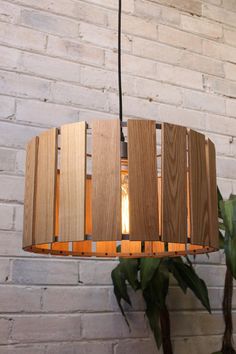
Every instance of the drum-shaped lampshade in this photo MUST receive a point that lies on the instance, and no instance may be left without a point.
(158, 200)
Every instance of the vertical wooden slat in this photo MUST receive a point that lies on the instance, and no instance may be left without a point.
(46, 187)
(106, 189)
(72, 185)
(142, 166)
(198, 189)
(174, 183)
(30, 185)
(212, 194)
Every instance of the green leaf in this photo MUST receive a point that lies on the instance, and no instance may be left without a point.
(120, 289)
(148, 267)
(196, 284)
(217, 353)
(130, 267)
(221, 240)
(153, 315)
(160, 284)
(177, 275)
(220, 198)
(230, 252)
(228, 211)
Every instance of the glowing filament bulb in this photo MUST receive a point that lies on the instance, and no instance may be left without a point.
(124, 203)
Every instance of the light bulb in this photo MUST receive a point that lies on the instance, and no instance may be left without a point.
(124, 203)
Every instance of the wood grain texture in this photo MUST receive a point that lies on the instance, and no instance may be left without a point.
(142, 166)
(174, 183)
(198, 188)
(46, 187)
(72, 184)
(106, 188)
(212, 194)
(130, 246)
(104, 247)
(88, 221)
(30, 186)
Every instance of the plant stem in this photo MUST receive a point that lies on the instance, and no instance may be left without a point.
(165, 329)
(227, 346)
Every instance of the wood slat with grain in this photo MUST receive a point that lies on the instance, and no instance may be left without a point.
(199, 217)
(212, 194)
(30, 189)
(106, 188)
(174, 183)
(45, 204)
(72, 183)
(142, 169)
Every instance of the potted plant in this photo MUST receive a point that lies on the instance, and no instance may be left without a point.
(152, 277)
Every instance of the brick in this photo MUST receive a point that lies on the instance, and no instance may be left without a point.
(213, 276)
(6, 220)
(7, 160)
(4, 270)
(80, 348)
(185, 117)
(7, 107)
(104, 37)
(179, 76)
(230, 71)
(78, 95)
(49, 23)
(135, 107)
(18, 221)
(113, 326)
(21, 37)
(231, 107)
(196, 345)
(12, 188)
(222, 144)
(15, 299)
(132, 65)
(23, 349)
(226, 167)
(203, 324)
(202, 27)
(181, 39)
(96, 272)
(19, 134)
(22, 85)
(220, 86)
(76, 299)
(134, 25)
(156, 51)
(136, 346)
(229, 36)
(225, 186)
(68, 49)
(11, 244)
(192, 6)
(229, 4)
(218, 14)
(157, 12)
(201, 63)
(47, 67)
(128, 5)
(46, 328)
(9, 12)
(220, 124)
(219, 51)
(9, 58)
(20, 161)
(44, 272)
(204, 102)
(5, 326)
(45, 113)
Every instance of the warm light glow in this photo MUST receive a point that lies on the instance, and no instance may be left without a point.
(124, 203)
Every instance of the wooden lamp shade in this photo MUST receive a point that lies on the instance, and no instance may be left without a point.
(126, 207)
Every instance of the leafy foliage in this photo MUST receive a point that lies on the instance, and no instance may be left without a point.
(152, 277)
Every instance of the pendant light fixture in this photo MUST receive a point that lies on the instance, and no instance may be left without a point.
(134, 202)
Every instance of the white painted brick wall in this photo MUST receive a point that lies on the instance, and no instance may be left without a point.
(58, 65)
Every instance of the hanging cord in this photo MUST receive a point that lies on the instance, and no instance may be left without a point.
(119, 72)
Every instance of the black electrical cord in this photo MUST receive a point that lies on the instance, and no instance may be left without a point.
(119, 72)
